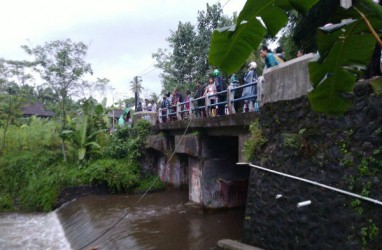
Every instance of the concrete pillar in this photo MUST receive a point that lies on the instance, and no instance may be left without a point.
(178, 111)
(208, 109)
(175, 172)
(288, 80)
(160, 119)
(191, 114)
(207, 165)
(195, 180)
(230, 97)
(223, 184)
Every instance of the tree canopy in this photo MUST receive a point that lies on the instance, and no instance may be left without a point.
(187, 59)
(63, 68)
(345, 50)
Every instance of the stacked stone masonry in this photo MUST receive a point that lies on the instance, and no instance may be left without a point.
(343, 151)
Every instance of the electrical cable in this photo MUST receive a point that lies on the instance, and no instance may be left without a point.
(149, 72)
(226, 3)
(314, 183)
(147, 68)
(142, 196)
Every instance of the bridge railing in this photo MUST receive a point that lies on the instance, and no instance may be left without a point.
(191, 109)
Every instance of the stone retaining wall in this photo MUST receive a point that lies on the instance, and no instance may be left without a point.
(341, 151)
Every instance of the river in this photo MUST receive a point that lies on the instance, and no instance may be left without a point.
(161, 220)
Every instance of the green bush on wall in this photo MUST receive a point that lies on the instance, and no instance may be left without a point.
(255, 142)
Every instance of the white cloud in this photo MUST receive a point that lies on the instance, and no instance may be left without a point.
(122, 34)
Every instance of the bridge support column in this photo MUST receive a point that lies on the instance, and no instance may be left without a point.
(207, 164)
(175, 172)
(223, 184)
(195, 178)
(214, 179)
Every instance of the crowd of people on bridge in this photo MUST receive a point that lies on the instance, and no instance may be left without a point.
(216, 84)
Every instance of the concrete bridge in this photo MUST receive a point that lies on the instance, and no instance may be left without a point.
(204, 159)
(201, 153)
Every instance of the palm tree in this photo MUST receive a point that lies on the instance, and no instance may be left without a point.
(155, 97)
(137, 88)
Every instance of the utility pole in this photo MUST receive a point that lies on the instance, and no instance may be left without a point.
(136, 88)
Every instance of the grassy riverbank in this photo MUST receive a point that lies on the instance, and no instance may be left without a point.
(33, 173)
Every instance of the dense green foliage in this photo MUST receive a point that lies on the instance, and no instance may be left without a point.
(118, 174)
(187, 59)
(345, 51)
(63, 68)
(32, 172)
(254, 143)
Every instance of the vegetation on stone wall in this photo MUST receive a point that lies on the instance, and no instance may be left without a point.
(343, 151)
(363, 181)
(255, 141)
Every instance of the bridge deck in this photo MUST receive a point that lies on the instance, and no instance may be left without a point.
(239, 121)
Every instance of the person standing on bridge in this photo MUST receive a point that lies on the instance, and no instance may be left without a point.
(211, 90)
(201, 102)
(219, 83)
(251, 91)
(165, 105)
(269, 59)
(300, 53)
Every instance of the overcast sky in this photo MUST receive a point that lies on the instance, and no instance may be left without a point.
(122, 34)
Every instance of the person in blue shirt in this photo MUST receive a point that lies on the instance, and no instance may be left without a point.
(250, 91)
(270, 59)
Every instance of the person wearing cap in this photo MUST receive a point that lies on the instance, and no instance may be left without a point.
(250, 91)
(219, 83)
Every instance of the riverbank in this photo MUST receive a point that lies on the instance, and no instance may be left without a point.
(38, 179)
(148, 184)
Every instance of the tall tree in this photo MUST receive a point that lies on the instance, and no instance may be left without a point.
(304, 26)
(208, 20)
(14, 91)
(178, 64)
(187, 59)
(62, 67)
(137, 88)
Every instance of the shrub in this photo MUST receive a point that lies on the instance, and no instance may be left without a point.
(255, 142)
(128, 142)
(119, 175)
(151, 181)
(6, 202)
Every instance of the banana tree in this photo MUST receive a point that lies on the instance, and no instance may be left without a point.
(87, 129)
(344, 51)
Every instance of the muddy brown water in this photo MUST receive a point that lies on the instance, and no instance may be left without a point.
(161, 220)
